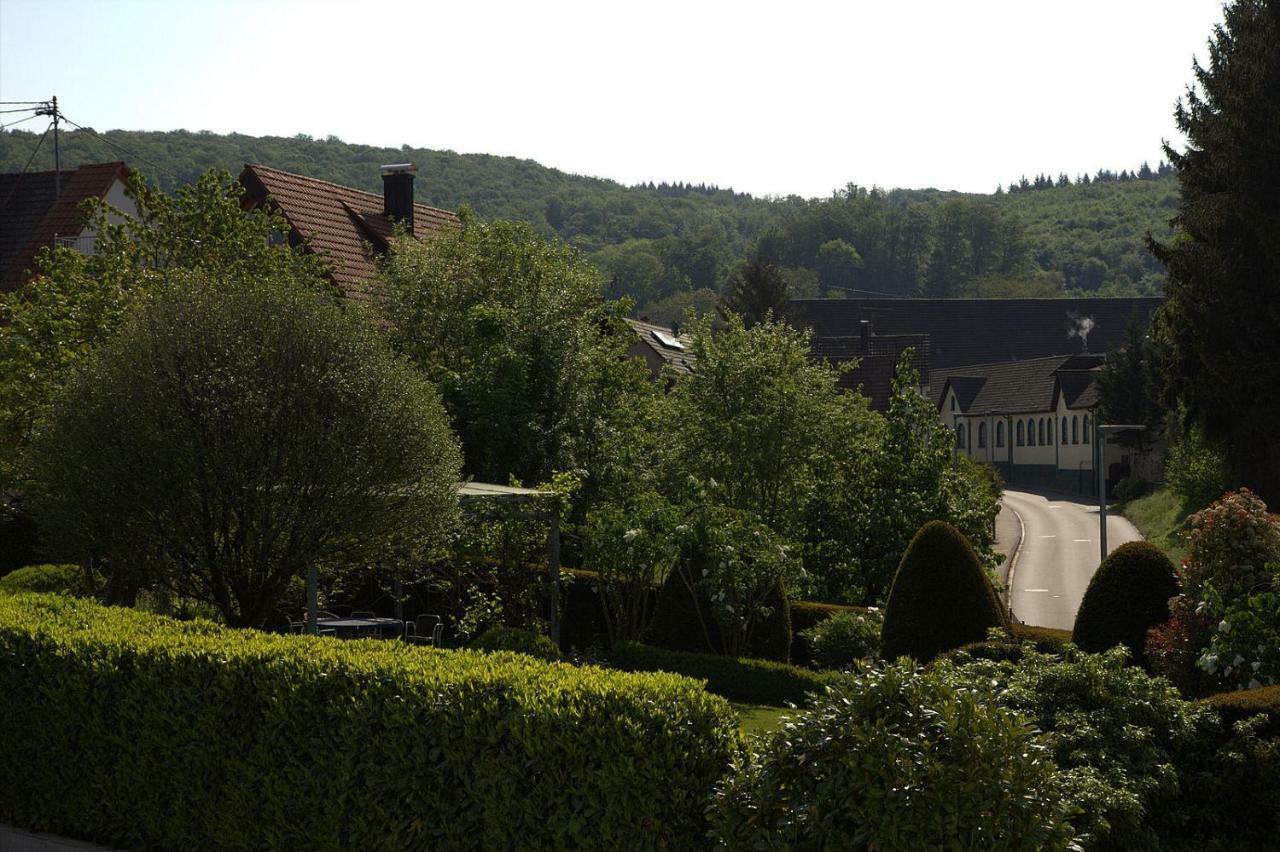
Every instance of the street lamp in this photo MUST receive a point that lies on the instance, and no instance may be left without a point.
(1100, 453)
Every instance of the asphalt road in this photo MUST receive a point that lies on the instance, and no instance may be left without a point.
(1059, 553)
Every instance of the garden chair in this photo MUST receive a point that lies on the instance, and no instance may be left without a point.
(426, 630)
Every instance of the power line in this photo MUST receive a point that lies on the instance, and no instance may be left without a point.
(12, 103)
(19, 121)
(119, 148)
(23, 173)
(19, 109)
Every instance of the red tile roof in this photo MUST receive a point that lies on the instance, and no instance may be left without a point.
(33, 216)
(345, 225)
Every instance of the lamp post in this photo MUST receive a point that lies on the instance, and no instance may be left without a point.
(1100, 433)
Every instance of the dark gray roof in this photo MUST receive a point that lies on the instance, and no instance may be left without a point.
(680, 357)
(877, 356)
(980, 331)
(1020, 386)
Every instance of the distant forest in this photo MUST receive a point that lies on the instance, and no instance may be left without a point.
(673, 245)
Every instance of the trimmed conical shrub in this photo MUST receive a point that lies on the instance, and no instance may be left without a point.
(941, 598)
(1128, 595)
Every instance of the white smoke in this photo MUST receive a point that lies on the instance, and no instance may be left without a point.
(1080, 326)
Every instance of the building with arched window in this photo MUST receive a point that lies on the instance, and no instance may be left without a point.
(1045, 405)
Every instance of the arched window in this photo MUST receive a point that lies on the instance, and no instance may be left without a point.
(999, 433)
(1031, 432)
(1062, 432)
(1086, 428)
(1021, 435)
(953, 403)
(1040, 435)
(1075, 428)
(960, 436)
(982, 435)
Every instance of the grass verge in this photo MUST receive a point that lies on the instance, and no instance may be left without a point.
(760, 718)
(1159, 517)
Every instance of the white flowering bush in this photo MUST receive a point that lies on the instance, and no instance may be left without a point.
(633, 545)
(837, 641)
(1244, 647)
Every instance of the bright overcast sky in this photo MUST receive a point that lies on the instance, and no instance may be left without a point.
(790, 97)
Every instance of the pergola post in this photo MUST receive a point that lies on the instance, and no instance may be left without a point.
(553, 567)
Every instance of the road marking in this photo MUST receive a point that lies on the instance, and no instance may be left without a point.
(1082, 539)
(1035, 590)
(1048, 536)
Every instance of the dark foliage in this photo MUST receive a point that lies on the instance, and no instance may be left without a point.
(1128, 595)
(736, 678)
(941, 598)
(683, 621)
(520, 641)
(1222, 319)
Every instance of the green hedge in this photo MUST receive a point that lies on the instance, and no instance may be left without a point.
(1242, 704)
(142, 732)
(59, 579)
(517, 641)
(749, 681)
(1048, 640)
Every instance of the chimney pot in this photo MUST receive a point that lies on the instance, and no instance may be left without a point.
(864, 329)
(397, 193)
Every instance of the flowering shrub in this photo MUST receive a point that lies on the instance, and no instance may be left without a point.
(1230, 545)
(1244, 646)
(837, 641)
(633, 545)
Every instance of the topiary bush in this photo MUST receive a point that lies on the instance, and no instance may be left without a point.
(519, 641)
(895, 758)
(141, 732)
(940, 599)
(1128, 595)
(55, 579)
(738, 679)
(836, 642)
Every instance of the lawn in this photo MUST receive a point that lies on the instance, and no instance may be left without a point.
(760, 718)
(1159, 517)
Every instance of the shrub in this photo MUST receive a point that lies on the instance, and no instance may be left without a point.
(685, 621)
(1128, 595)
(941, 598)
(1047, 640)
(58, 579)
(1230, 545)
(1196, 470)
(141, 732)
(1246, 703)
(519, 641)
(806, 615)
(1123, 738)
(1131, 488)
(738, 679)
(1244, 648)
(235, 431)
(895, 759)
(837, 641)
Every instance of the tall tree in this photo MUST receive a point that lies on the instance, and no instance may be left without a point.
(1222, 317)
(758, 289)
(1130, 384)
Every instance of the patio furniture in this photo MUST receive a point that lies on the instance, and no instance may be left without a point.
(351, 627)
(426, 630)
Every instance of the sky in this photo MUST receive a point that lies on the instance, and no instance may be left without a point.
(773, 99)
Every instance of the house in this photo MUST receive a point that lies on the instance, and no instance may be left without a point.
(40, 209)
(1033, 420)
(981, 331)
(349, 227)
(876, 357)
(659, 346)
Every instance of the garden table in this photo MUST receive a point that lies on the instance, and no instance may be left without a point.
(361, 625)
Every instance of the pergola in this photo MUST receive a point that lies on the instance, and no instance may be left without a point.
(489, 498)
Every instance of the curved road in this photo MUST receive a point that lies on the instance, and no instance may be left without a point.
(1059, 554)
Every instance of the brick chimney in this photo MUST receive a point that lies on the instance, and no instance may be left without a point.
(397, 193)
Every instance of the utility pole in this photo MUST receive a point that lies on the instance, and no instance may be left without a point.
(50, 108)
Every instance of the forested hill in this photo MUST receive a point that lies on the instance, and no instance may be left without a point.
(669, 246)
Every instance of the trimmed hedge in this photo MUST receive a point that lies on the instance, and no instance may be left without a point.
(940, 599)
(57, 579)
(138, 731)
(1128, 595)
(1245, 703)
(738, 679)
(1048, 640)
(517, 641)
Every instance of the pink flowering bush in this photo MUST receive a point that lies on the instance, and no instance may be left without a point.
(1226, 585)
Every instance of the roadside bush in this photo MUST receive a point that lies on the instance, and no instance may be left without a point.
(519, 641)
(738, 679)
(1195, 469)
(56, 579)
(895, 758)
(941, 598)
(137, 731)
(837, 641)
(1247, 703)
(1128, 595)
(1131, 488)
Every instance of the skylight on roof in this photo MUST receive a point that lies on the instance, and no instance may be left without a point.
(667, 340)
